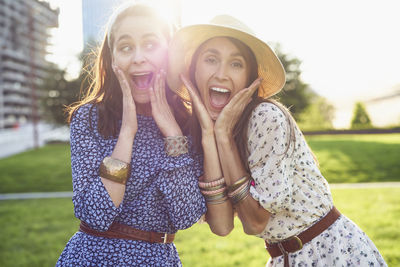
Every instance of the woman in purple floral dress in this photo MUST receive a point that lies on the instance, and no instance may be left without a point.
(135, 174)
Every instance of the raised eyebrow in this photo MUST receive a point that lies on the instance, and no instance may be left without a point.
(124, 36)
(215, 51)
(237, 54)
(150, 35)
(127, 36)
(211, 50)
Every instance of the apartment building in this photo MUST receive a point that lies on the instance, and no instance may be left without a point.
(24, 37)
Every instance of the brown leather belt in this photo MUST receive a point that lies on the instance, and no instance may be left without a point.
(123, 231)
(296, 242)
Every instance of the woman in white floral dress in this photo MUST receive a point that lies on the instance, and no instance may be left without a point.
(256, 160)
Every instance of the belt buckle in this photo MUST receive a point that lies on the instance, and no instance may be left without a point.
(295, 237)
(164, 238)
(299, 242)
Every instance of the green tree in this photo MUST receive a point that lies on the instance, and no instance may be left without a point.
(317, 116)
(360, 119)
(58, 92)
(296, 95)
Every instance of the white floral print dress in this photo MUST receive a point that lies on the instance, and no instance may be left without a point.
(289, 184)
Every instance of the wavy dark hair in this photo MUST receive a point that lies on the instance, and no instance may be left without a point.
(240, 130)
(104, 91)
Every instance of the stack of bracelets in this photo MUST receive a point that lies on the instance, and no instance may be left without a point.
(239, 190)
(215, 191)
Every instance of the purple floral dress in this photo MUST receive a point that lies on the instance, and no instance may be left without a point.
(289, 184)
(162, 195)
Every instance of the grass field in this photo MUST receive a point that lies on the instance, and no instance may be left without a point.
(343, 159)
(358, 158)
(46, 169)
(34, 232)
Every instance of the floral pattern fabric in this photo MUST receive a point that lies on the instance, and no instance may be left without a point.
(161, 195)
(289, 184)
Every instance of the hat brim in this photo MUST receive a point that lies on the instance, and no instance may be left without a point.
(187, 40)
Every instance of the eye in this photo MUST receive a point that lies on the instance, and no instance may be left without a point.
(125, 48)
(211, 60)
(237, 64)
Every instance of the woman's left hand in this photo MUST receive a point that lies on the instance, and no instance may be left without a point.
(160, 108)
(231, 113)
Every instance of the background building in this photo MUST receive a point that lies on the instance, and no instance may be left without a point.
(24, 35)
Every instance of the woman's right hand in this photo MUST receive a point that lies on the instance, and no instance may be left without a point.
(129, 121)
(206, 123)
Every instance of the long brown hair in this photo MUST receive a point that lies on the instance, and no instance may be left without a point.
(240, 130)
(104, 91)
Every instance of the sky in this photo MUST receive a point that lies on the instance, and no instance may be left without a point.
(349, 49)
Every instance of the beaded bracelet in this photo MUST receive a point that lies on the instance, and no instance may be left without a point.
(114, 170)
(213, 192)
(213, 188)
(176, 145)
(215, 183)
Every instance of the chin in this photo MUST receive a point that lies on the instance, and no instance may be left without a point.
(142, 99)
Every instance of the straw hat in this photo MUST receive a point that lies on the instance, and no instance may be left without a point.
(189, 38)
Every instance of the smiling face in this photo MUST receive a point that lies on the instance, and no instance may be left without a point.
(221, 71)
(140, 50)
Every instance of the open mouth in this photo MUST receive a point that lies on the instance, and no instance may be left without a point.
(142, 80)
(219, 97)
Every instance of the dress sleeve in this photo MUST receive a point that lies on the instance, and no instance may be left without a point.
(269, 158)
(92, 202)
(178, 183)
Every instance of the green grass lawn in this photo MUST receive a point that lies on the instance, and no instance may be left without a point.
(34, 232)
(358, 158)
(46, 169)
(343, 159)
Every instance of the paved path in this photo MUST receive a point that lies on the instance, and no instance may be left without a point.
(35, 195)
(13, 196)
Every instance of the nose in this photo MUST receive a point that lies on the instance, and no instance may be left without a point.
(221, 72)
(138, 57)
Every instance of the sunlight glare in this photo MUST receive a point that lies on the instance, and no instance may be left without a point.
(167, 9)
(61, 50)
